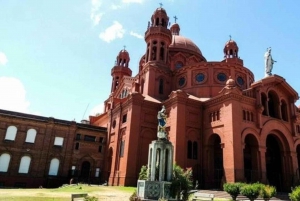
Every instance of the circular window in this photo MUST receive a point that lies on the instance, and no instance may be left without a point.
(200, 77)
(178, 65)
(222, 77)
(240, 80)
(181, 81)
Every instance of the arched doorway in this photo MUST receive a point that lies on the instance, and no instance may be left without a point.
(274, 162)
(85, 171)
(215, 169)
(251, 167)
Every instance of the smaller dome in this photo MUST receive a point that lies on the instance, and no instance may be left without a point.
(230, 83)
(231, 49)
(160, 9)
(231, 44)
(123, 53)
(175, 28)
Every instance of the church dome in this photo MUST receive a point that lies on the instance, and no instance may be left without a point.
(180, 42)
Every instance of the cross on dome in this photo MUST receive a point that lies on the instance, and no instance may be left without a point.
(175, 17)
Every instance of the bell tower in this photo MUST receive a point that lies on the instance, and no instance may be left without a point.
(158, 37)
(120, 69)
(231, 51)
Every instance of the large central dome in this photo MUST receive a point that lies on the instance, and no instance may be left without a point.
(184, 44)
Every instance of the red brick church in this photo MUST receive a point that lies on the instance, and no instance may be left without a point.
(223, 123)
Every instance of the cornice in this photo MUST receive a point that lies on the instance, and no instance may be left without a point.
(230, 96)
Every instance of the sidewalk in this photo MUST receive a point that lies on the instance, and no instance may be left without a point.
(223, 194)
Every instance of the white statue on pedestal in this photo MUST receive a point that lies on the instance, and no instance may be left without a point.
(268, 62)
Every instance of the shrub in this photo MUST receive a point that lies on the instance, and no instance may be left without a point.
(233, 189)
(295, 194)
(134, 196)
(181, 182)
(266, 192)
(90, 198)
(251, 191)
(143, 175)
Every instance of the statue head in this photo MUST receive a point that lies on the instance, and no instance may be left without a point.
(163, 109)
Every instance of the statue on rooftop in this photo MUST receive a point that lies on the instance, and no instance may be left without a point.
(269, 62)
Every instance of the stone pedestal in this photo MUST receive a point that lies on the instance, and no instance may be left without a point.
(160, 160)
(153, 189)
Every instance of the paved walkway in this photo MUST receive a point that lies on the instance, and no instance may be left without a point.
(223, 194)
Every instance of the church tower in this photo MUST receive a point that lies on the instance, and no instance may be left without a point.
(231, 52)
(120, 69)
(156, 77)
(158, 37)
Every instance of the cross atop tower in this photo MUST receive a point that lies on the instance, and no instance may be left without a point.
(175, 17)
(160, 4)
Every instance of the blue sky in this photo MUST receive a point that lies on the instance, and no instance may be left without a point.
(56, 56)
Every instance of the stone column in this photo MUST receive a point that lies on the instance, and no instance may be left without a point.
(263, 168)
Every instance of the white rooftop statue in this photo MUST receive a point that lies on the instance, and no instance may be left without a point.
(268, 62)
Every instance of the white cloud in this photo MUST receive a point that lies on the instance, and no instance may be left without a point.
(136, 35)
(95, 14)
(3, 59)
(111, 33)
(132, 1)
(115, 7)
(13, 95)
(98, 109)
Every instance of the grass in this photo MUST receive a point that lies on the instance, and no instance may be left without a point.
(64, 193)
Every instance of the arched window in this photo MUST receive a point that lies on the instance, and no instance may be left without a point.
(273, 104)
(77, 146)
(161, 86)
(189, 149)
(195, 150)
(11, 133)
(30, 137)
(24, 164)
(157, 22)
(4, 162)
(162, 51)
(154, 49)
(244, 115)
(248, 116)
(142, 86)
(54, 165)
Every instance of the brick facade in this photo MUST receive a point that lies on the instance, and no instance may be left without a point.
(42, 150)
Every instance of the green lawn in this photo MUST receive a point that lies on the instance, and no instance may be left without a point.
(64, 193)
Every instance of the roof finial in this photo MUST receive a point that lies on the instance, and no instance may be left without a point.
(124, 47)
(160, 4)
(175, 17)
(229, 37)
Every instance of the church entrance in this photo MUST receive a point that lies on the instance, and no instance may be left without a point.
(274, 162)
(85, 172)
(215, 170)
(251, 158)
